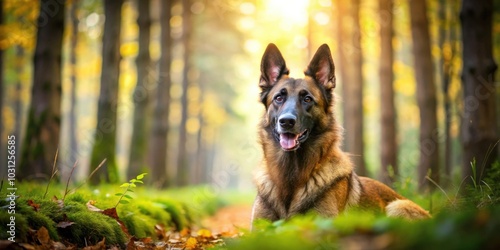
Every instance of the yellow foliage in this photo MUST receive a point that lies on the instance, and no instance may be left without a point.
(191, 243)
(129, 49)
(405, 80)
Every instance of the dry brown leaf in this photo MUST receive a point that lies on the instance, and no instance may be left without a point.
(91, 207)
(43, 236)
(101, 245)
(64, 224)
(35, 206)
(185, 232)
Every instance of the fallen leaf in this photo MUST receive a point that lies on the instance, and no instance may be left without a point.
(147, 240)
(64, 224)
(91, 207)
(111, 212)
(101, 245)
(185, 232)
(204, 233)
(191, 242)
(35, 206)
(43, 236)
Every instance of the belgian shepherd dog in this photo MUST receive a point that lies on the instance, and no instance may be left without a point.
(304, 167)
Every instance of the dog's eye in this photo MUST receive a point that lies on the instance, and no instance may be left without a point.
(307, 99)
(279, 99)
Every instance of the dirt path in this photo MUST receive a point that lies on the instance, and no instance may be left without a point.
(230, 219)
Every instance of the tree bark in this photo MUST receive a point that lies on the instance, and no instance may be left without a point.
(351, 61)
(447, 36)
(105, 134)
(388, 147)
(73, 124)
(479, 130)
(426, 94)
(44, 116)
(158, 149)
(3, 136)
(183, 167)
(141, 96)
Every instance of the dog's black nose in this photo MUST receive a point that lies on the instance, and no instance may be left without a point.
(287, 121)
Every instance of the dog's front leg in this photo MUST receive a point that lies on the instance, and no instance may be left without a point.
(261, 211)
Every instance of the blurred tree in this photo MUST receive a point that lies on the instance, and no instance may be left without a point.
(351, 60)
(158, 148)
(446, 41)
(479, 130)
(105, 134)
(3, 163)
(141, 95)
(388, 147)
(73, 76)
(426, 94)
(183, 166)
(44, 115)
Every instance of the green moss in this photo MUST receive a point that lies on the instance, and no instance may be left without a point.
(36, 220)
(21, 227)
(92, 227)
(138, 225)
(155, 211)
(176, 211)
(51, 209)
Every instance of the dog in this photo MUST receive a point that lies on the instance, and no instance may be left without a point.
(304, 167)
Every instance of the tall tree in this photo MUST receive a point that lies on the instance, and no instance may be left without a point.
(446, 41)
(160, 126)
(426, 94)
(479, 129)
(44, 116)
(3, 164)
(140, 130)
(105, 134)
(351, 60)
(182, 160)
(388, 145)
(73, 143)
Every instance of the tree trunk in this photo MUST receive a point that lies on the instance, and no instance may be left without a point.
(388, 145)
(426, 94)
(140, 130)
(105, 134)
(159, 134)
(3, 136)
(73, 143)
(351, 60)
(183, 168)
(19, 67)
(44, 116)
(447, 35)
(479, 130)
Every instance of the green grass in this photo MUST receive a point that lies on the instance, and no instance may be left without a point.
(173, 209)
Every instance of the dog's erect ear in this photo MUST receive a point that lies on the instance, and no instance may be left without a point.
(321, 67)
(272, 67)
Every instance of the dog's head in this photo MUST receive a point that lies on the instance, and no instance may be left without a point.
(297, 110)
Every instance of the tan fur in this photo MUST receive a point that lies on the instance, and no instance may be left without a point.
(318, 175)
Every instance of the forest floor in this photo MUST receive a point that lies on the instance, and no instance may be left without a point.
(232, 219)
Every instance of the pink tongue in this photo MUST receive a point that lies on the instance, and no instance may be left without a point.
(288, 141)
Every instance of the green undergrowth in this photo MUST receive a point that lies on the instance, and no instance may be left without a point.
(468, 229)
(464, 216)
(74, 221)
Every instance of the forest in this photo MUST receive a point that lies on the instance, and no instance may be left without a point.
(146, 113)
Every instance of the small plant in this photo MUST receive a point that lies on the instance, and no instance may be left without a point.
(124, 197)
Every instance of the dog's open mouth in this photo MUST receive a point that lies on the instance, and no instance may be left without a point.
(290, 141)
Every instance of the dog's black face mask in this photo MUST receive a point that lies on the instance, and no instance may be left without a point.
(296, 108)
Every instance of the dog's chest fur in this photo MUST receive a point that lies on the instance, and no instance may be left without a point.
(328, 186)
